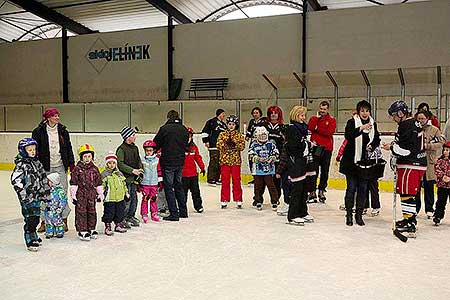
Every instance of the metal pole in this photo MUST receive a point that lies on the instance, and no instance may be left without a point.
(129, 114)
(83, 119)
(170, 49)
(238, 108)
(375, 108)
(447, 109)
(181, 109)
(439, 93)
(304, 12)
(65, 72)
(413, 104)
(402, 83)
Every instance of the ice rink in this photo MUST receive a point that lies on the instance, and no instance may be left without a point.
(229, 254)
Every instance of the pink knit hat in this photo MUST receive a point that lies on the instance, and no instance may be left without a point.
(111, 157)
(50, 112)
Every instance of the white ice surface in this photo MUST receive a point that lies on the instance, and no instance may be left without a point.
(229, 254)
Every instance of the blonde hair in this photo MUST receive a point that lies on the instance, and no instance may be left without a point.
(295, 113)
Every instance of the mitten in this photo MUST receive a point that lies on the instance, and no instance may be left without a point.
(100, 193)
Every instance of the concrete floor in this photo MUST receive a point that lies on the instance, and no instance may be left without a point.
(229, 254)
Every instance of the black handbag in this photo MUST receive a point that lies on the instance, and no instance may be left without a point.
(371, 169)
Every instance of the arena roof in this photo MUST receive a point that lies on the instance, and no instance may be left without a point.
(41, 19)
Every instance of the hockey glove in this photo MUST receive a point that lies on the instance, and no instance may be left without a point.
(202, 172)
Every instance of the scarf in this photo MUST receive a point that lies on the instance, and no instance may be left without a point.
(359, 139)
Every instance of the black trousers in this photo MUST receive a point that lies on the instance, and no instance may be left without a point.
(113, 211)
(323, 163)
(213, 174)
(428, 191)
(191, 183)
(298, 195)
(443, 195)
(31, 216)
(374, 193)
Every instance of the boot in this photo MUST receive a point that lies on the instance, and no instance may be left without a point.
(42, 227)
(108, 230)
(349, 218)
(66, 228)
(154, 211)
(358, 217)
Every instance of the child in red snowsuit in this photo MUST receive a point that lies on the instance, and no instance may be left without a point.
(190, 174)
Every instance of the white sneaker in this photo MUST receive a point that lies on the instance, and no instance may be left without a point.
(84, 236)
(375, 212)
(282, 211)
(308, 219)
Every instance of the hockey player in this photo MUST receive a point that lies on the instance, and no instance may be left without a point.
(263, 153)
(411, 163)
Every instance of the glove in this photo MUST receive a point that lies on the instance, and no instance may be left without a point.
(202, 172)
(73, 191)
(74, 202)
(230, 143)
(100, 193)
(71, 167)
(160, 186)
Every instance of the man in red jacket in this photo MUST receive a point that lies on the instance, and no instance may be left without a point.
(322, 127)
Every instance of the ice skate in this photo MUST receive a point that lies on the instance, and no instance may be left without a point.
(164, 213)
(312, 198)
(125, 224)
(33, 246)
(94, 234)
(274, 207)
(407, 226)
(259, 206)
(145, 218)
(59, 235)
(364, 212)
(342, 207)
(282, 211)
(49, 235)
(212, 183)
(84, 236)
(119, 228)
(430, 214)
(239, 204)
(39, 240)
(322, 198)
(155, 217)
(200, 210)
(436, 221)
(297, 222)
(223, 205)
(108, 230)
(133, 222)
(375, 212)
(308, 219)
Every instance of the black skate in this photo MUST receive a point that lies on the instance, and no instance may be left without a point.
(322, 198)
(408, 227)
(312, 198)
(436, 221)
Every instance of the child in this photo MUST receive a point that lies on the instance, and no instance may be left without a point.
(86, 187)
(150, 182)
(31, 185)
(54, 225)
(442, 168)
(190, 174)
(115, 191)
(230, 144)
(263, 153)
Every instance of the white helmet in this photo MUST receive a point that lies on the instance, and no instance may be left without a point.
(261, 134)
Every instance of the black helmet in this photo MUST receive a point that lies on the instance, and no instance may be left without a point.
(397, 106)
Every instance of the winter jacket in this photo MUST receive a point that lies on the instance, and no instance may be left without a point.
(341, 150)
(433, 145)
(348, 165)
(115, 187)
(322, 130)
(442, 168)
(268, 152)
(43, 149)
(192, 156)
(408, 144)
(274, 133)
(283, 161)
(57, 199)
(435, 122)
(297, 151)
(211, 131)
(230, 145)
(29, 180)
(172, 138)
(128, 159)
(252, 124)
(87, 178)
(152, 170)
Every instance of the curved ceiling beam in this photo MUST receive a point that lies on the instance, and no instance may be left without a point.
(53, 16)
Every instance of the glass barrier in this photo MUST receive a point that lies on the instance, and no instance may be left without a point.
(149, 116)
(106, 117)
(197, 112)
(2, 118)
(23, 117)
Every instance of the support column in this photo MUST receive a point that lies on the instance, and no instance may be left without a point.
(170, 50)
(65, 77)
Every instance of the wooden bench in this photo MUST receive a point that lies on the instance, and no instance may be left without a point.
(207, 84)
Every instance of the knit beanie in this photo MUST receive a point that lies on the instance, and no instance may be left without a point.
(50, 112)
(126, 132)
(54, 178)
(111, 156)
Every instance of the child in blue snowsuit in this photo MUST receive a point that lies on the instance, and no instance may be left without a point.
(31, 185)
(54, 225)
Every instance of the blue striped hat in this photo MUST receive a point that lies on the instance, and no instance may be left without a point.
(126, 132)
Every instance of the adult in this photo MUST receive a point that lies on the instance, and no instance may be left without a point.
(210, 133)
(411, 163)
(54, 151)
(172, 138)
(256, 121)
(322, 127)
(425, 107)
(446, 132)
(362, 137)
(130, 164)
(433, 141)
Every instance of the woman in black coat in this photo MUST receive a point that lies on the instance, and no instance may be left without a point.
(362, 137)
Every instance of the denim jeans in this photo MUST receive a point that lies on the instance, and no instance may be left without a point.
(131, 206)
(358, 186)
(173, 188)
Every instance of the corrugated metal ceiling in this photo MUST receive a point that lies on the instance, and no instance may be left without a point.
(115, 15)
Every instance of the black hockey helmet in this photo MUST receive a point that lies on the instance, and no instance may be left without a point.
(397, 106)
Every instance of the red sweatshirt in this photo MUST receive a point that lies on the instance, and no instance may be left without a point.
(191, 157)
(322, 129)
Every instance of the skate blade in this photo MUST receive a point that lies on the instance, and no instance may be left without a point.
(411, 235)
(295, 224)
(375, 215)
(281, 214)
(307, 221)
